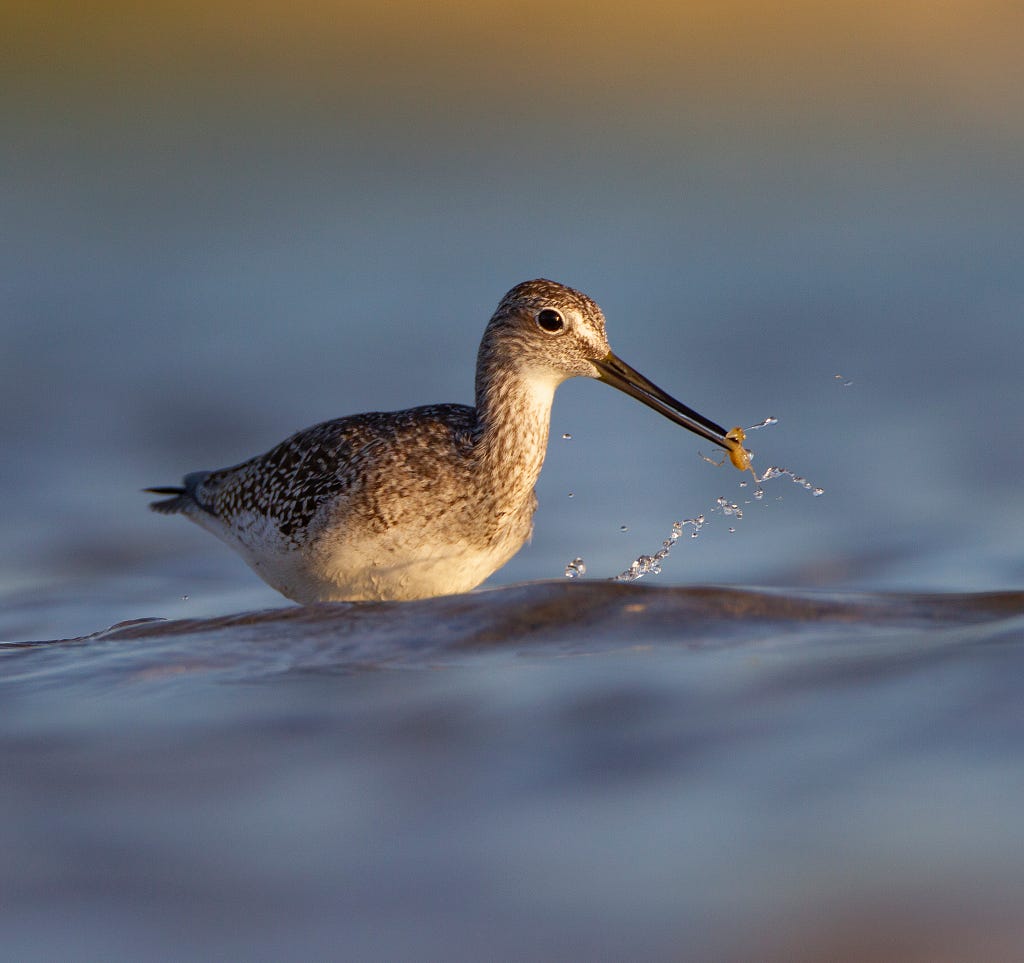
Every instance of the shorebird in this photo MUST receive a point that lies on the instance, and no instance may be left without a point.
(431, 500)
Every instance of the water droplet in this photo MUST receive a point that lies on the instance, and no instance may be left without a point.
(576, 568)
(776, 472)
(651, 564)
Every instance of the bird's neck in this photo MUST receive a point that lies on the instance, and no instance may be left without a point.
(513, 411)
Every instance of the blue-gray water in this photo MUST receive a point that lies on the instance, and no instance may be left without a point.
(548, 771)
(196, 264)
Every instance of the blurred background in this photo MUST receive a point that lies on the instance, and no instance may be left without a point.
(221, 222)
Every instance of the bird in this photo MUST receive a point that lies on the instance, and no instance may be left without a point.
(428, 501)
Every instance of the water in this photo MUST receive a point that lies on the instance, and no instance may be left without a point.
(651, 564)
(577, 568)
(802, 736)
(776, 472)
(579, 768)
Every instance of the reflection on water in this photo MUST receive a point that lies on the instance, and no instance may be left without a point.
(552, 770)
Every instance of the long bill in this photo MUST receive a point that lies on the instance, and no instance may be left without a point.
(618, 374)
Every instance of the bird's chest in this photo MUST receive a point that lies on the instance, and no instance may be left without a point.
(409, 565)
(446, 546)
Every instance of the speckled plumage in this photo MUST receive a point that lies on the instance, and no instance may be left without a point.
(409, 504)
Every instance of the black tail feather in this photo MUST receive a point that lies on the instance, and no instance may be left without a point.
(169, 506)
(181, 497)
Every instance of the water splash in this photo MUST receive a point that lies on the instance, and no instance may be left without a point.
(727, 507)
(577, 568)
(776, 472)
(651, 564)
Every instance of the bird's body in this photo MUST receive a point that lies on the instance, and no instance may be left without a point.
(395, 505)
(430, 500)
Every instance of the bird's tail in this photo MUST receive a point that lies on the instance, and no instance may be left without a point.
(182, 497)
(169, 506)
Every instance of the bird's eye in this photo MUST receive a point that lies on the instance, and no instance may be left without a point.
(550, 320)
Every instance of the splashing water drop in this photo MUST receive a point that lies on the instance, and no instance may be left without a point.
(651, 564)
(576, 568)
(776, 472)
(727, 507)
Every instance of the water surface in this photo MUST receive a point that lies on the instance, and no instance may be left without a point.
(542, 770)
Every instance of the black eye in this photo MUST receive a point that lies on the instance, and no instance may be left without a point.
(550, 320)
